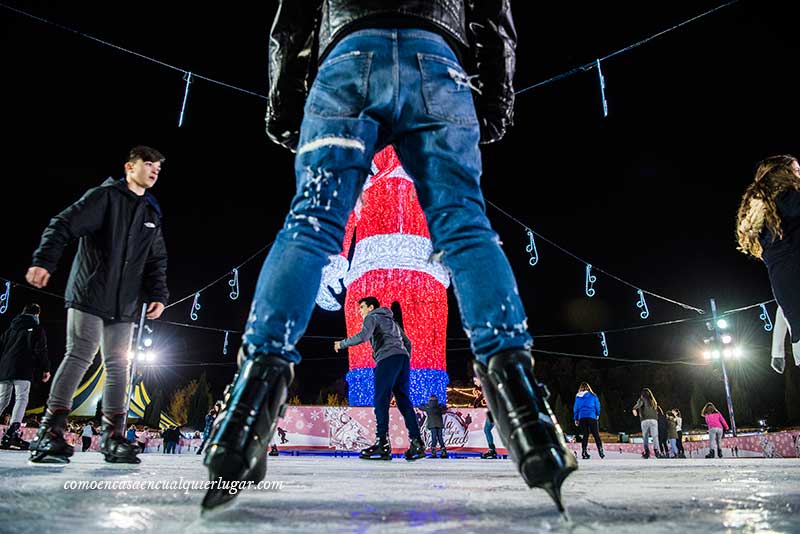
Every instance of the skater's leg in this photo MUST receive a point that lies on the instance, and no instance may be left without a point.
(400, 390)
(488, 425)
(115, 344)
(595, 429)
(585, 430)
(647, 432)
(6, 388)
(385, 375)
(84, 331)
(22, 390)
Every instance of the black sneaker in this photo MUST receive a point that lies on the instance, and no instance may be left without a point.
(49, 445)
(526, 424)
(381, 450)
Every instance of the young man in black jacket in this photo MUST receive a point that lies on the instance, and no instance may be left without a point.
(23, 350)
(384, 73)
(121, 262)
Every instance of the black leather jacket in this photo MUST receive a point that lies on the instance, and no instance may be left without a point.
(305, 30)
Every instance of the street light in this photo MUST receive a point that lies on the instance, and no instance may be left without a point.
(719, 339)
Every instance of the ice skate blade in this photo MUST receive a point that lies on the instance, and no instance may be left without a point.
(215, 503)
(383, 458)
(122, 461)
(44, 459)
(414, 458)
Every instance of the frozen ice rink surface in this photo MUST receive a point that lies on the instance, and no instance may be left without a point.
(325, 494)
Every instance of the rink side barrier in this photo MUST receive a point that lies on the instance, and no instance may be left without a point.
(332, 429)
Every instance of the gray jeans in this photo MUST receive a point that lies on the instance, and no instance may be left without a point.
(650, 428)
(22, 389)
(715, 437)
(86, 333)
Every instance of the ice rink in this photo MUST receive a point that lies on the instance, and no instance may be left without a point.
(324, 494)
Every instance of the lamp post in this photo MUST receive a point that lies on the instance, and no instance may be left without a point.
(133, 363)
(718, 344)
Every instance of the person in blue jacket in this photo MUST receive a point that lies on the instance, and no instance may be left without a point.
(586, 412)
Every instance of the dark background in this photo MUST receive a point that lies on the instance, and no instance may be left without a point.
(648, 194)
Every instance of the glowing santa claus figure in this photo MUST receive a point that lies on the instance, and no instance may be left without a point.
(392, 262)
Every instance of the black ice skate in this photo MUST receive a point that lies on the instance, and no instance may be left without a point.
(113, 445)
(49, 446)
(585, 455)
(381, 450)
(529, 430)
(244, 428)
(491, 454)
(273, 451)
(719, 453)
(600, 452)
(12, 439)
(416, 450)
(444, 454)
(710, 454)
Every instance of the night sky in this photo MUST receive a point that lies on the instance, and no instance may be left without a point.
(648, 194)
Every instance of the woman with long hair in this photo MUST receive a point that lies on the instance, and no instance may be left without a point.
(647, 410)
(716, 427)
(768, 228)
(586, 412)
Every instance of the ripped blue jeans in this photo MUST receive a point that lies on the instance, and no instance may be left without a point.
(405, 88)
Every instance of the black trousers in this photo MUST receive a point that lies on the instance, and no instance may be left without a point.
(589, 425)
(680, 442)
(87, 442)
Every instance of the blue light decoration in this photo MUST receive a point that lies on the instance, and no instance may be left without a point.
(603, 343)
(195, 306)
(531, 249)
(590, 280)
(5, 298)
(422, 383)
(234, 294)
(602, 89)
(642, 304)
(188, 78)
(765, 317)
(225, 344)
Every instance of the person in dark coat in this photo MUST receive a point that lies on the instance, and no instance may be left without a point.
(768, 228)
(435, 423)
(662, 433)
(121, 263)
(210, 416)
(23, 353)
